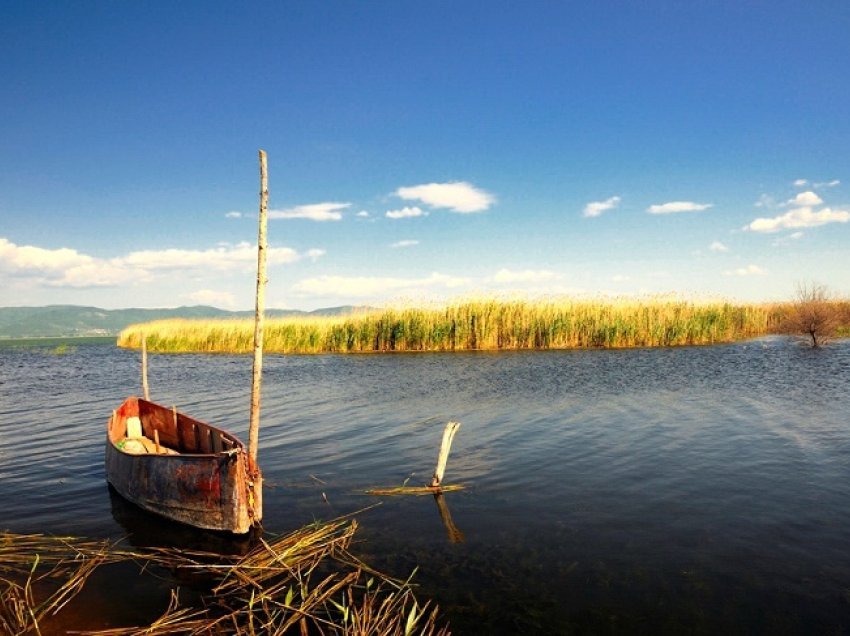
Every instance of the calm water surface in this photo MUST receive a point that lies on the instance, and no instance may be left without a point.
(691, 490)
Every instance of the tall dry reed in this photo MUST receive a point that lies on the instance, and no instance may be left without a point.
(474, 325)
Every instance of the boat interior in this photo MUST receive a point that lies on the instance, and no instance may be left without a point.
(140, 427)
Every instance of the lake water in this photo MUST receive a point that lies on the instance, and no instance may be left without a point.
(692, 490)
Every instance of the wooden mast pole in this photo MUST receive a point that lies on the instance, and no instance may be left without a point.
(254, 428)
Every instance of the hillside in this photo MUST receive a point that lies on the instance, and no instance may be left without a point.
(74, 320)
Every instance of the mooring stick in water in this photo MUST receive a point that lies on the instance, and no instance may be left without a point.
(253, 430)
(445, 447)
(145, 388)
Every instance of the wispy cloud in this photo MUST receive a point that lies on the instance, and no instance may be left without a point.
(457, 196)
(524, 276)
(329, 211)
(224, 257)
(406, 213)
(827, 184)
(749, 270)
(674, 207)
(215, 298)
(315, 253)
(405, 243)
(233, 215)
(717, 246)
(765, 201)
(375, 286)
(595, 208)
(785, 240)
(802, 183)
(363, 214)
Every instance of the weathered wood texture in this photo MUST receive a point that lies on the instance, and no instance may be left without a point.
(445, 448)
(145, 388)
(209, 483)
(254, 428)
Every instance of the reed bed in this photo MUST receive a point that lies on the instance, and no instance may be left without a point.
(474, 325)
(304, 582)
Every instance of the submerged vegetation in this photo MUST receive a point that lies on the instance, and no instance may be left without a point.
(475, 325)
(304, 582)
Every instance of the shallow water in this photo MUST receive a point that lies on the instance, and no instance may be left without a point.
(695, 490)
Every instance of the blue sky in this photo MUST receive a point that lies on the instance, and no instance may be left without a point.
(422, 151)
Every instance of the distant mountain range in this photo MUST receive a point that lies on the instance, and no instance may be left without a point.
(73, 320)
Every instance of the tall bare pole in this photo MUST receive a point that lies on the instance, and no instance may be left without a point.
(145, 389)
(254, 428)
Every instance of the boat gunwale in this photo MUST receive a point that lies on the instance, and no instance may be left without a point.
(239, 445)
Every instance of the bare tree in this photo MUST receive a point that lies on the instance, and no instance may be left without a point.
(813, 314)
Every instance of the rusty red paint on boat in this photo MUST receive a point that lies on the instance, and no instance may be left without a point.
(198, 474)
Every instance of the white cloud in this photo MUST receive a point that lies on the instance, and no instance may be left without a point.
(65, 267)
(524, 276)
(827, 184)
(233, 215)
(329, 211)
(210, 297)
(595, 208)
(620, 278)
(457, 196)
(363, 214)
(799, 218)
(315, 254)
(674, 207)
(717, 246)
(807, 198)
(405, 243)
(785, 240)
(406, 213)
(29, 257)
(375, 286)
(749, 270)
(765, 201)
(62, 267)
(224, 257)
(801, 183)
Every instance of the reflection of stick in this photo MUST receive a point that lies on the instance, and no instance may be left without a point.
(445, 447)
(145, 368)
(455, 535)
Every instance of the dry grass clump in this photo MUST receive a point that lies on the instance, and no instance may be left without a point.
(22, 562)
(473, 325)
(304, 582)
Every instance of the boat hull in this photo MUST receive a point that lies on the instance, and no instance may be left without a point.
(208, 482)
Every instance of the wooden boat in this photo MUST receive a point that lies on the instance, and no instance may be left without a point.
(181, 468)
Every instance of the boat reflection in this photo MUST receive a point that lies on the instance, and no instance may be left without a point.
(147, 530)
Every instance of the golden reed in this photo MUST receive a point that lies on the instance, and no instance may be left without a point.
(474, 325)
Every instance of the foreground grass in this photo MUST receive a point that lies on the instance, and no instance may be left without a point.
(473, 325)
(276, 588)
